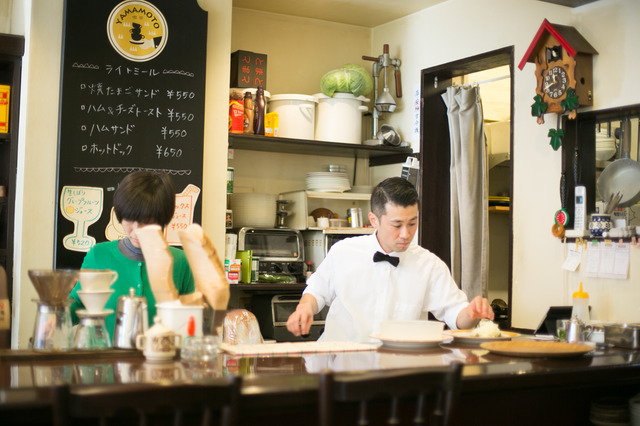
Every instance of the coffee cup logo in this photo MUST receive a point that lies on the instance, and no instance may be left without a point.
(136, 33)
(137, 30)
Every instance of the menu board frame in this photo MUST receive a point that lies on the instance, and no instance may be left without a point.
(132, 98)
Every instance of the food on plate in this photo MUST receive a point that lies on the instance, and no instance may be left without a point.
(486, 328)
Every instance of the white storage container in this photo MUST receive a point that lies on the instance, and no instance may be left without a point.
(339, 118)
(176, 316)
(296, 115)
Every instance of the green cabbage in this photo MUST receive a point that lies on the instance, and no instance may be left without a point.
(351, 78)
(368, 88)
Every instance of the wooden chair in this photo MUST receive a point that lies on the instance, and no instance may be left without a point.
(434, 391)
(148, 404)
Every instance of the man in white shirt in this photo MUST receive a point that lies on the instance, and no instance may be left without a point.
(369, 279)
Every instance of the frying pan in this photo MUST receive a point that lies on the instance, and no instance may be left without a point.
(623, 174)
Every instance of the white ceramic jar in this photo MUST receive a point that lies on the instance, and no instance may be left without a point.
(159, 343)
(339, 118)
(296, 115)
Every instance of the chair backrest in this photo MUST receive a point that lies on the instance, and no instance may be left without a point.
(148, 401)
(433, 392)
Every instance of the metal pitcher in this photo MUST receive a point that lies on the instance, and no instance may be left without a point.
(577, 331)
(132, 319)
(354, 216)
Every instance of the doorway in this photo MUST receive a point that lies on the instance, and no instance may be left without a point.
(435, 159)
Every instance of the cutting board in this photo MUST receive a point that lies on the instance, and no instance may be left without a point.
(536, 348)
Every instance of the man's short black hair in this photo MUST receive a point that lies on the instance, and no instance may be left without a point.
(146, 197)
(394, 190)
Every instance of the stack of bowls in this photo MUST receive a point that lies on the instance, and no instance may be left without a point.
(96, 288)
(605, 147)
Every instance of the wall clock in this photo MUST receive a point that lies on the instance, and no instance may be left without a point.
(564, 73)
(564, 82)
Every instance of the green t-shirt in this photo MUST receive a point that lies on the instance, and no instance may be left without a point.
(131, 273)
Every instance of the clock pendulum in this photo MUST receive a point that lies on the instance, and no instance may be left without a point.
(561, 217)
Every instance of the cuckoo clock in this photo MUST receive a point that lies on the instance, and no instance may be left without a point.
(564, 70)
(564, 82)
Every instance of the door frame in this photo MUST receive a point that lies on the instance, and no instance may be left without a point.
(435, 153)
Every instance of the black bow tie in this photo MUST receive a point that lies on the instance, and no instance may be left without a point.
(381, 257)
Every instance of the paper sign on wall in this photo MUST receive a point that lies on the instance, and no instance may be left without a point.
(608, 260)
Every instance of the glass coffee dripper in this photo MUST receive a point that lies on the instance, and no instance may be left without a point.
(52, 328)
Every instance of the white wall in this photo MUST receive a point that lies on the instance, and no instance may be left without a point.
(426, 39)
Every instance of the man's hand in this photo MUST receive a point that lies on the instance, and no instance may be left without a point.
(299, 322)
(478, 308)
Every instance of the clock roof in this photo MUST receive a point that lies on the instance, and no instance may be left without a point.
(568, 37)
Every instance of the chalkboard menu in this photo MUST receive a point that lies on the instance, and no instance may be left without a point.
(132, 98)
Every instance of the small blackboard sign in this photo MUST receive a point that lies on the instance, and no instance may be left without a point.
(132, 98)
(248, 69)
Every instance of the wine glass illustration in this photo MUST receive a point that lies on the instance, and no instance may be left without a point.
(81, 205)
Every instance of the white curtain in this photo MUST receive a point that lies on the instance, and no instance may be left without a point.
(469, 193)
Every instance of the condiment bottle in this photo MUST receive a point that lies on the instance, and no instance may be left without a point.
(581, 305)
(248, 113)
(260, 110)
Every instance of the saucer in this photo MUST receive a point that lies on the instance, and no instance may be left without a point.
(159, 357)
(411, 344)
(102, 313)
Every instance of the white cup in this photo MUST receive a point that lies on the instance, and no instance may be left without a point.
(323, 222)
(311, 222)
(176, 317)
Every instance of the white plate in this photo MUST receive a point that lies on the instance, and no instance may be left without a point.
(411, 344)
(464, 336)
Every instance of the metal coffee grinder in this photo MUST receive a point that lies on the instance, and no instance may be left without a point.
(383, 103)
(52, 328)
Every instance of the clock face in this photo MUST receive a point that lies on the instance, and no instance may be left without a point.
(555, 82)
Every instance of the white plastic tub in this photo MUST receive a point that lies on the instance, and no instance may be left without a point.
(176, 316)
(296, 115)
(339, 118)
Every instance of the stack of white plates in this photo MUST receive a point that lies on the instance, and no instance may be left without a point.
(327, 182)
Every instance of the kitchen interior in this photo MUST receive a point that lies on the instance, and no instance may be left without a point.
(302, 44)
(297, 207)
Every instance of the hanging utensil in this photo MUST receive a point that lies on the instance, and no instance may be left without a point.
(623, 174)
(613, 203)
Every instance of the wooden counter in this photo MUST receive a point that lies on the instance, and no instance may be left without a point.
(281, 390)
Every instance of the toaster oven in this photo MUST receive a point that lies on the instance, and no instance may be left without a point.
(272, 313)
(280, 250)
(317, 242)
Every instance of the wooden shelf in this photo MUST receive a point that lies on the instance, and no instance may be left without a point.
(297, 287)
(499, 209)
(339, 195)
(377, 155)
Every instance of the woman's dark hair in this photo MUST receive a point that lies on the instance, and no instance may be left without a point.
(145, 197)
(394, 190)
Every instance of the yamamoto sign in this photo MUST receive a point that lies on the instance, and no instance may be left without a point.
(137, 30)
